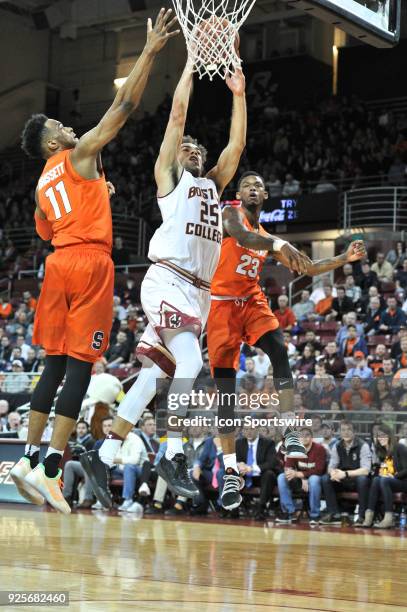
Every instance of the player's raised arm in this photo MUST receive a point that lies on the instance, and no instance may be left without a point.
(229, 159)
(290, 256)
(128, 96)
(168, 169)
(354, 252)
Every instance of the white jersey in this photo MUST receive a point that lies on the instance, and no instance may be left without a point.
(190, 235)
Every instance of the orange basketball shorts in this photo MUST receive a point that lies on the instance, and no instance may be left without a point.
(74, 312)
(232, 322)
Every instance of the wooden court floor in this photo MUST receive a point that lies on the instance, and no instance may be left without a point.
(114, 563)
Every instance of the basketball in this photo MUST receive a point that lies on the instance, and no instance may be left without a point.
(213, 38)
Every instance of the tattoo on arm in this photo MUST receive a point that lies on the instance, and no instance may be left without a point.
(326, 265)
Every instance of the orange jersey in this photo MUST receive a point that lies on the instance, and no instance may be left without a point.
(77, 209)
(238, 271)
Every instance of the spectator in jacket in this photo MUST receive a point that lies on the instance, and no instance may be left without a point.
(334, 363)
(304, 307)
(383, 269)
(391, 478)
(359, 369)
(401, 358)
(372, 293)
(130, 460)
(258, 464)
(348, 470)
(302, 475)
(349, 319)
(353, 343)
(341, 305)
(308, 397)
(310, 338)
(392, 318)
(401, 276)
(373, 317)
(352, 291)
(396, 346)
(73, 469)
(306, 363)
(367, 278)
(375, 361)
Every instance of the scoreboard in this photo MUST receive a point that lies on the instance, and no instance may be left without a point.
(376, 22)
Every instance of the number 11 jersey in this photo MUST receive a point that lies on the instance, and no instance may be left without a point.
(238, 271)
(78, 209)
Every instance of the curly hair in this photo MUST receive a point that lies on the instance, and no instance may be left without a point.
(190, 140)
(250, 173)
(31, 138)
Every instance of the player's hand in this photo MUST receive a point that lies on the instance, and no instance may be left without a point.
(160, 34)
(355, 251)
(110, 189)
(304, 485)
(196, 472)
(236, 82)
(295, 260)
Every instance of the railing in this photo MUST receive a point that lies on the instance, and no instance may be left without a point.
(384, 207)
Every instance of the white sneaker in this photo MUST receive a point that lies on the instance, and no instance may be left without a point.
(98, 506)
(50, 488)
(136, 508)
(18, 474)
(144, 490)
(125, 505)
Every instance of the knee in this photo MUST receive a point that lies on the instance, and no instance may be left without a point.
(362, 481)
(281, 480)
(314, 480)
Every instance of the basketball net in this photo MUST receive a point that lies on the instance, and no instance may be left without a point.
(210, 28)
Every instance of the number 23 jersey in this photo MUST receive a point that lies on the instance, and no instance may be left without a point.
(238, 271)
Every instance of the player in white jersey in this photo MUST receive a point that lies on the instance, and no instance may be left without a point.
(175, 292)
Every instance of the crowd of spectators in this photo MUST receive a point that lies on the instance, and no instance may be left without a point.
(309, 148)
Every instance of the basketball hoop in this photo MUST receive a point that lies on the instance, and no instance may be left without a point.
(211, 33)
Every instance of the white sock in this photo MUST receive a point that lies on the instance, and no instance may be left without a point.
(174, 446)
(30, 449)
(140, 394)
(52, 450)
(230, 462)
(109, 450)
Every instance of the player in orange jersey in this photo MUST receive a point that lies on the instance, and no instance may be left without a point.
(74, 312)
(240, 313)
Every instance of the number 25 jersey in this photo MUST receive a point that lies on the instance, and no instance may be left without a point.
(78, 209)
(238, 271)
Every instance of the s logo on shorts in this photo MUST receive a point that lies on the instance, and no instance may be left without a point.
(97, 341)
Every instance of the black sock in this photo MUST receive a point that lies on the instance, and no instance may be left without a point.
(34, 459)
(51, 464)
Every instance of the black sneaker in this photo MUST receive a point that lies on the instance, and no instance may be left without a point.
(284, 518)
(314, 520)
(176, 511)
(331, 519)
(293, 447)
(99, 475)
(154, 509)
(231, 497)
(175, 473)
(260, 514)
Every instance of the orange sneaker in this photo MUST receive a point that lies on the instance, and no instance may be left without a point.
(50, 488)
(18, 474)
